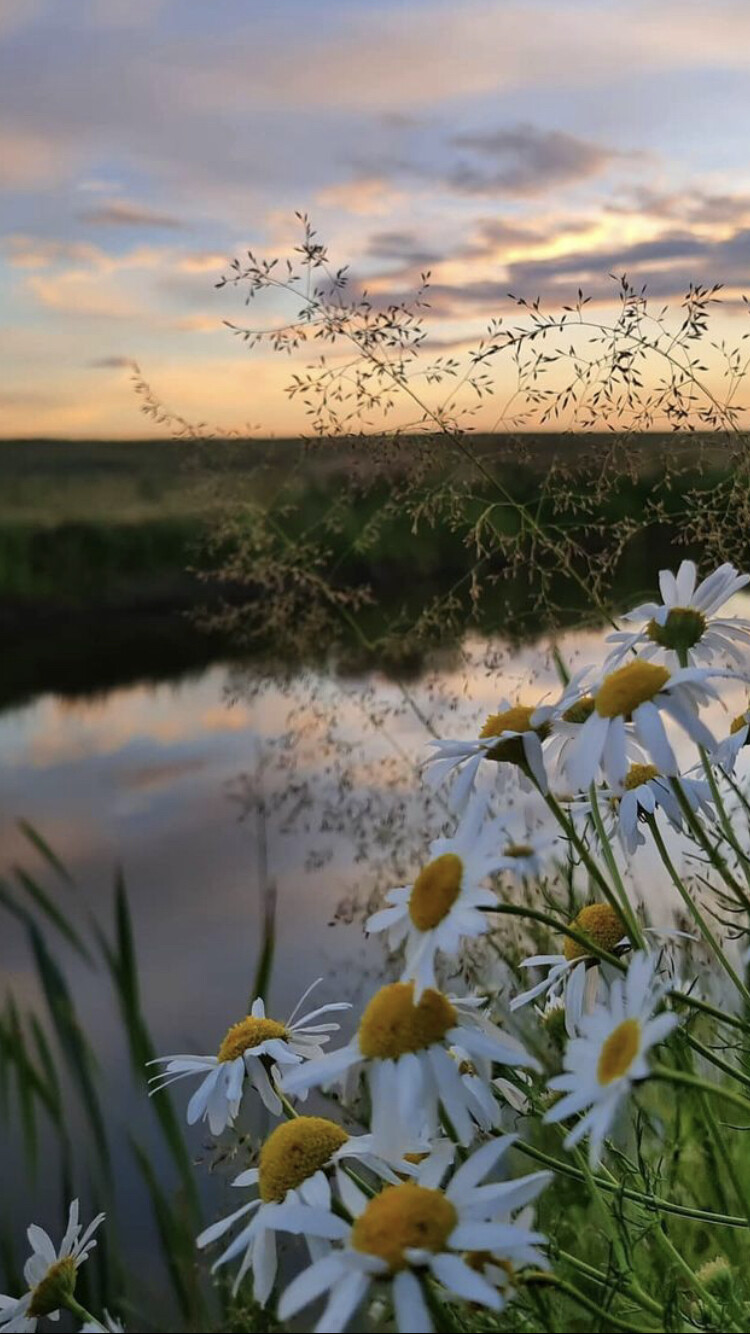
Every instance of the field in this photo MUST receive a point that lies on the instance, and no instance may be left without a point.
(104, 548)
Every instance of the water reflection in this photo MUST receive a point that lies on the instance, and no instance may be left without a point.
(167, 781)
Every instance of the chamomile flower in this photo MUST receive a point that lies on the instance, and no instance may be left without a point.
(685, 622)
(295, 1166)
(609, 1054)
(526, 854)
(444, 903)
(728, 749)
(572, 977)
(254, 1049)
(644, 792)
(50, 1274)
(403, 1046)
(638, 694)
(513, 735)
(415, 1231)
(476, 1077)
(572, 710)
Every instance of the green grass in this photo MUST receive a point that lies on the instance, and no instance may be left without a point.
(105, 542)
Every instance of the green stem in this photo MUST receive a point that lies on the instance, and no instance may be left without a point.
(614, 870)
(708, 1055)
(715, 856)
(628, 1286)
(289, 1108)
(80, 1312)
(651, 1202)
(703, 1007)
(717, 1312)
(724, 820)
(536, 915)
(542, 1278)
(694, 1081)
(696, 913)
(563, 928)
(573, 837)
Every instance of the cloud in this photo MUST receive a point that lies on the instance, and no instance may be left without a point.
(402, 246)
(112, 364)
(696, 206)
(526, 160)
(122, 213)
(365, 196)
(30, 252)
(80, 293)
(29, 155)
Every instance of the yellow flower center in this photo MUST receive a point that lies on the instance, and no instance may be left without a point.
(435, 891)
(683, 628)
(518, 850)
(58, 1283)
(393, 1025)
(625, 689)
(401, 1218)
(516, 719)
(249, 1032)
(479, 1260)
(295, 1151)
(602, 925)
(581, 711)
(738, 723)
(619, 1051)
(639, 774)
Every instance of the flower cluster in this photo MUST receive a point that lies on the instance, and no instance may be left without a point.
(413, 1196)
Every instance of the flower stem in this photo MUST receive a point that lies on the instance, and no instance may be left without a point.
(696, 913)
(694, 1081)
(609, 856)
(80, 1312)
(573, 837)
(716, 1310)
(724, 820)
(628, 1286)
(543, 1278)
(715, 856)
(651, 1202)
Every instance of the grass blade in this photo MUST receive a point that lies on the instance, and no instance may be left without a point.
(73, 1043)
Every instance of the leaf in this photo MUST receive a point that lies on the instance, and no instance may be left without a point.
(177, 1243)
(44, 849)
(122, 963)
(52, 912)
(73, 1043)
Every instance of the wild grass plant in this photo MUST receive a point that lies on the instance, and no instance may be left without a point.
(540, 1125)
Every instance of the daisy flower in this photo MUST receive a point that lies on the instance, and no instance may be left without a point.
(573, 975)
(513, 735)
(445, 901)
(403, 1046)
(609, 1055)
(727, 751)
(684, 623)
(294, 1168)
(573, 709)
(644, 792)
(526, 855)
(476, 1076)
(415, 1232)
(637, 694)
(50, 1274)
(253, 1049)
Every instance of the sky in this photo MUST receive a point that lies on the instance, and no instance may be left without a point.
(531, 146)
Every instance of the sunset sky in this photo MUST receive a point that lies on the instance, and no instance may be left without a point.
(530, 145)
